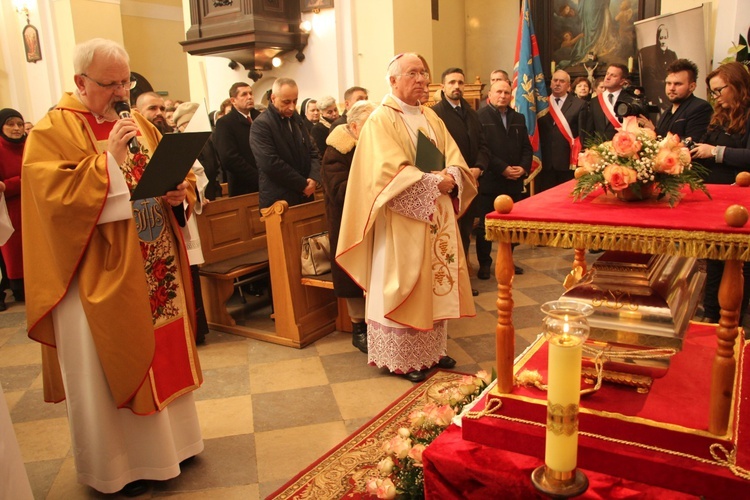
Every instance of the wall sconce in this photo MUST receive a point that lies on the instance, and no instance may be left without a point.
(276, 62)
(305, 26)
(22, 7)
(315, 5)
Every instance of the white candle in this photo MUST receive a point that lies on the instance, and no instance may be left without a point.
(630, 63)
(553, 67)
(563, 396)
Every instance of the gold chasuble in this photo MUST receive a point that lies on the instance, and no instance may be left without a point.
(423, 264)
(133, 274)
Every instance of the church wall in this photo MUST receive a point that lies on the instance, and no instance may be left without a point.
(491, 27)
(151, 32)
(449, 39)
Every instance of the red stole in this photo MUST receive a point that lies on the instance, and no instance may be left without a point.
(605, 109)
(564, 127)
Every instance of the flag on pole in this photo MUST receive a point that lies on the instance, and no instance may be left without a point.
(529, 88)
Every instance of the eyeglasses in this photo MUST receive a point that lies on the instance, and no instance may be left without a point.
(414, 74)
(717, 92)
(129, 85)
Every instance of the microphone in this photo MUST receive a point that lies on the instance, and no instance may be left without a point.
(123, 110)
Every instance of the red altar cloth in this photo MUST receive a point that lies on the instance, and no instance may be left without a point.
(694, 212)
(658, 438)
(455, 468)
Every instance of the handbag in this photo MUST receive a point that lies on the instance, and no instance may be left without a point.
(316, 254)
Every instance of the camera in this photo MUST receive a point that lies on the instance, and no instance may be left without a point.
(688, 142)
(632, 102)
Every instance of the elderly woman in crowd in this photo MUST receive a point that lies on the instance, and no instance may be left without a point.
(329, 113)
(725, 151)
(12, 141)
(337, 160)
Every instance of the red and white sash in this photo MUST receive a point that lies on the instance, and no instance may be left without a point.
(608, 112)
(564, 127)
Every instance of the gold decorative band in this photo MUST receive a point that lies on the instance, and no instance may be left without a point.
(556, 476)
(562, 420)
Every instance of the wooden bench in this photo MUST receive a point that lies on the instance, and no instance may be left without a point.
(303, 313)
(343, 321)
(233, 240)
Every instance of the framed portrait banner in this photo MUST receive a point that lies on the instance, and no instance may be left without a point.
(31, 44)
(663, 39)
(313, 5)
(584, 36)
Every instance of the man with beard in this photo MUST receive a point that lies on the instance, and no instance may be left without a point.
(151, 106)
(463, 124)
(689, 115)
(232, 141)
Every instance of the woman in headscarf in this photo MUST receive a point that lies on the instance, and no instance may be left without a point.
(310, 113)
(12, 140)
(337, 161)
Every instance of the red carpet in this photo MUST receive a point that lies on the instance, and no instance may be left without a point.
(343, 471)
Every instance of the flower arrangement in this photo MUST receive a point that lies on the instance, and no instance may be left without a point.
(638, 162)
(400, 473)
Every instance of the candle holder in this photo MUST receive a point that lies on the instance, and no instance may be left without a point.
(566, 329)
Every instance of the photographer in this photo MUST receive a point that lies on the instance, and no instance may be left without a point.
(689, 115)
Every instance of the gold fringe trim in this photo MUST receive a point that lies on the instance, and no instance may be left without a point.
(698, 244)
(721, 456)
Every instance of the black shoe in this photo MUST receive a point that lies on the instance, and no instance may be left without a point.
(447, 362)
(519, 270)
(135, 488)
(3, 307)
(595, 251)
(474, 292)
(484, 272)
(359, 336)
(415, 376)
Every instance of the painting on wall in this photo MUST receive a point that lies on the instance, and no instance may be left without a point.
(315, 5)
(584, 36)
(31, 44)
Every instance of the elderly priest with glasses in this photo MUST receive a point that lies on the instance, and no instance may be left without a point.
(107, 281)
(405, 249)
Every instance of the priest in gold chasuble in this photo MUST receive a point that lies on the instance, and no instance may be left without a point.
(399, 237)
(109, 294)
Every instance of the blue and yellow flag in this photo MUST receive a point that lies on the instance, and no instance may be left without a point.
(529, 87)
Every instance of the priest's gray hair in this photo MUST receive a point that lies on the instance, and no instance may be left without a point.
(359, 112)
(280, 82)
(84, 53)
(326, 102)
(394, 66)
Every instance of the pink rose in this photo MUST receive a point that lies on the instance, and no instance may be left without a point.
(416, 452)
(386, 489)
(466, 385)
(398, 447)
(372, 485)
(484, 376)
(441, 415)
(588, 159)
(668, 162)
(626, 144)
(619, 177)
(416, 418)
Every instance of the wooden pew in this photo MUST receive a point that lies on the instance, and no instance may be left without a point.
(233, 240)
(303, 313)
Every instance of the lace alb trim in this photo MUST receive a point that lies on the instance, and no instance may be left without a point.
(418, 200)
(403, 350)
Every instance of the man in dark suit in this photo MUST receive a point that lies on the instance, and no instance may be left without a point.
(510, 161)
(689, 115)
(654, 60)
(288, 161)
(352, 96)
(463, 124)
(598, 118)
(232, 141)
(558, 133)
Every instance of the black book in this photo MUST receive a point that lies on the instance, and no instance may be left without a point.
(429, 158)
(170, 164)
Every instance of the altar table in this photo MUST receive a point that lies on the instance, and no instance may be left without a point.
(695, 227)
